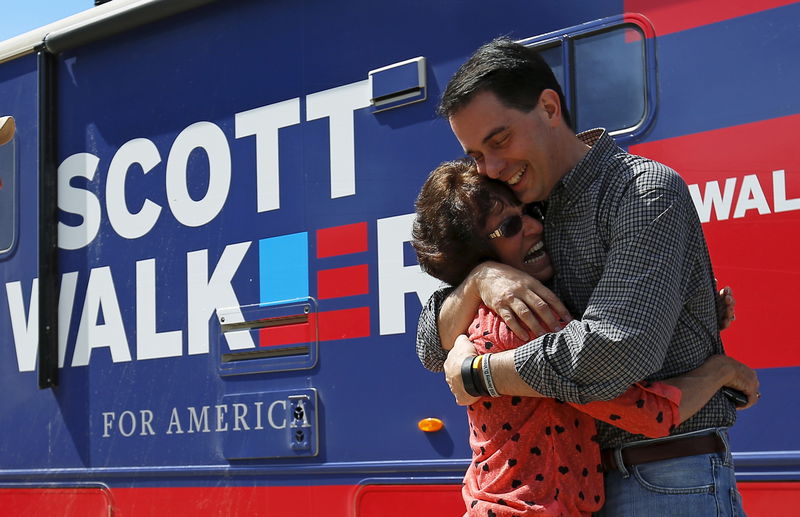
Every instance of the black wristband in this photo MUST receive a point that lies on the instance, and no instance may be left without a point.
(477, 380)
(467, 378)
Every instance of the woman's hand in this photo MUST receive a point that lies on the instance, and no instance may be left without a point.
(738, 376)
(726, 307)
(462, 349)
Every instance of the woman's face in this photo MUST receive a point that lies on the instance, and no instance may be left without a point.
(523, 250)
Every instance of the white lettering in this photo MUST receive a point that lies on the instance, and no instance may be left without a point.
(751, 197)
(121, 422)
(395, 279)
(264, 123)
(779, 192)
(131, 225)
(206, 294)
(222, 410)
(300, 411)
(210, 138)
(270, 415)
(258, 415)
(66, 301)
(25, 330)
(721, 203)
(150, 343)
(78, 201)
(174, 422)
(101, 296)
(198, 423)
(147, 419)
(108, 422)
(339, 104)
(239, 412)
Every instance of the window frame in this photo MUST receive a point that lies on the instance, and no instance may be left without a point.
(7, 252)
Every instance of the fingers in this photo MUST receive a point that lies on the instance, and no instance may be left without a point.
(536, 314)
(462, 349)
(541, 310)
(515, 326)
(727, 307)
(547, 306)
(522, 301)
(746, 381)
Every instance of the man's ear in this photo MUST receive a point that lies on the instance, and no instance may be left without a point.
(551, 103)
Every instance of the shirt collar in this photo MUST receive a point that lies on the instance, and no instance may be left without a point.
(602, 147)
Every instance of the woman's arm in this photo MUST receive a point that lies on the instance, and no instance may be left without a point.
(653, 409)
(702, 383)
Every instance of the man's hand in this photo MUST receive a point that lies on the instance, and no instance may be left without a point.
(738, 376)
(462, 349)
(521, 300)
(726, 307)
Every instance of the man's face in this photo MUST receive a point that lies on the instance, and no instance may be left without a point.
(515, 147)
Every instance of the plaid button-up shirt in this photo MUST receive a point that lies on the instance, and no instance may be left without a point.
(631, 261)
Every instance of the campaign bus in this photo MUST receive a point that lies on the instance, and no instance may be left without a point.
(209, 299)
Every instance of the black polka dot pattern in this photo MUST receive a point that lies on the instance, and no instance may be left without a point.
(540, 452)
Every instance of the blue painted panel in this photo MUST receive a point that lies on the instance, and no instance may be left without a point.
(283, 267)
(709, 76)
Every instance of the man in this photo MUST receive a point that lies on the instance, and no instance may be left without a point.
(630, 260)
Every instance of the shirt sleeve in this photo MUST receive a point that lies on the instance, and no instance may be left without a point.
(429, 346)
(624, 334)
(648, 409)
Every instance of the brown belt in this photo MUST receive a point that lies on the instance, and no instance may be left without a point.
(657, 451)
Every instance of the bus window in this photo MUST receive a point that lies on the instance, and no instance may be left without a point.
(609, 79)
(606, 71)
(8, 195)
(554, 57)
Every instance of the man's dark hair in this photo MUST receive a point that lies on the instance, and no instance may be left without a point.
(516, 74)
(449, 231)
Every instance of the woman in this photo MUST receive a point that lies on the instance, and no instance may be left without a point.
(531, 456)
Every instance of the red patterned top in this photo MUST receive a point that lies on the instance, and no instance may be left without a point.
(538, 456)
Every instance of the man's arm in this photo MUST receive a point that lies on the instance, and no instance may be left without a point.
(626, 329)
(429, 346)
(654, 244)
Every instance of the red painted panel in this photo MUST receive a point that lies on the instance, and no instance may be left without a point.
(344, 281)
(46, 502)
(341, 324)
(221, 501)
(408, 500)
(770, 499)
(341, 240)
(319, 501)
(670, 16)
(344, 324)
(289, 334)
(755, 253)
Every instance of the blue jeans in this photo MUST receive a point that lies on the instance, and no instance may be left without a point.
(693, 486)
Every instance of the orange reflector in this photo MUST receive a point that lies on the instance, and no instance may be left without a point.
(430, 425)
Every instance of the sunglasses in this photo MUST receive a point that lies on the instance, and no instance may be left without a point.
(513, 224)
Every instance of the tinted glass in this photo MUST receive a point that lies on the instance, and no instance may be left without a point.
(8, 196)
(609, 70)
(554, 57)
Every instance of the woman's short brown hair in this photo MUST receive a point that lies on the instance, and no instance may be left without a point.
(449, 232)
